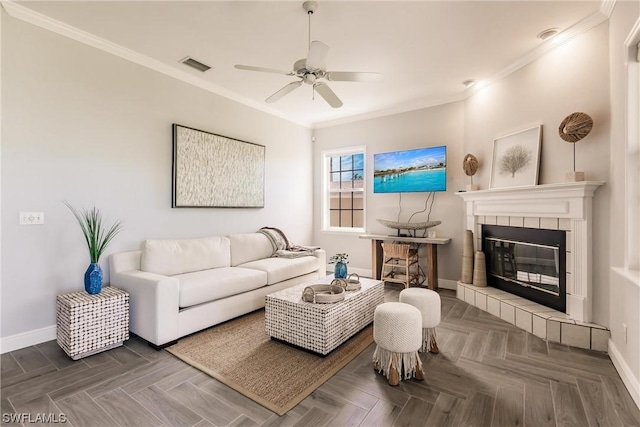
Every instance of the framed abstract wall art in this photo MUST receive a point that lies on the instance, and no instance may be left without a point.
(213, 171)
(516, 159)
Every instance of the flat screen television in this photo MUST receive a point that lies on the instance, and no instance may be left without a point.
(418, 170)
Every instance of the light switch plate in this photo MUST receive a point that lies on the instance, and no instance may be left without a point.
(31, 218)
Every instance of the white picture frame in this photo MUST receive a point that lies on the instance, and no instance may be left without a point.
(516, 159)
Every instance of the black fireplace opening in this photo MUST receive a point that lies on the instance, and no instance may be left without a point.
(527, 262)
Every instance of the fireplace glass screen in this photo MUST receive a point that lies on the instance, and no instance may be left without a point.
(527, 262)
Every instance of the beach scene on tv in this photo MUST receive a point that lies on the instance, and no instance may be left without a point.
(423, 169)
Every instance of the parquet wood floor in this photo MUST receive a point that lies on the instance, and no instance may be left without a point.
(489, 373)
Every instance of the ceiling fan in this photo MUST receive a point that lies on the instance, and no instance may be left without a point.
(311, 70)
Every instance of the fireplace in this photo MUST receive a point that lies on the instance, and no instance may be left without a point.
(527, 262)
(565, 207)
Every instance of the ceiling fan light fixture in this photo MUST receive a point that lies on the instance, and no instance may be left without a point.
(548, 33)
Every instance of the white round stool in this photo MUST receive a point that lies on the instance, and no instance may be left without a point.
(428, 302)
(397, 332)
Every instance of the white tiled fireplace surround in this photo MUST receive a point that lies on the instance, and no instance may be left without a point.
(563, 206)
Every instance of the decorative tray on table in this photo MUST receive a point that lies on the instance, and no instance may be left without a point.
(323, 294)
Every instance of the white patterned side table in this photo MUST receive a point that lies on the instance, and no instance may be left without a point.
(88, 324)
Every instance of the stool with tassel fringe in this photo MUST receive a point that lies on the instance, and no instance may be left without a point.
(397, 331)
(428, 302)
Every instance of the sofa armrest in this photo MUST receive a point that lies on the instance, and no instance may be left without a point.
(322, 261)
(153, 301)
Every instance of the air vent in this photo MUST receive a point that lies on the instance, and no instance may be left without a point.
(195, 64)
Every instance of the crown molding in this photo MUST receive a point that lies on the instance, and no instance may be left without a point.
(390, 111)
(570, 33)
(560, 39)
(606, 7)
(634, 36)
(28, 15)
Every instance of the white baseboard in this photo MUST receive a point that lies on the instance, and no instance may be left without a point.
(629, 380)
(363, 272)
(447, 284)
(26, 339)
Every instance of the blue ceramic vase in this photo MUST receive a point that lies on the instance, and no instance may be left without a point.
(93, 279)
(341, 270)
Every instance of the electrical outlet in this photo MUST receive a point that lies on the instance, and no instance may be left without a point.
(31, 218)
(624, 332)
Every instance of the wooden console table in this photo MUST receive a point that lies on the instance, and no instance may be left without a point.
(432, 253)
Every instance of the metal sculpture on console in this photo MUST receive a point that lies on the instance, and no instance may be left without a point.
(411, 227)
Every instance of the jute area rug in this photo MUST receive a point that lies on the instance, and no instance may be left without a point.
(239, 354)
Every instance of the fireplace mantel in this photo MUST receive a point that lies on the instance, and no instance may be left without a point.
(562, 206)
(563, 200)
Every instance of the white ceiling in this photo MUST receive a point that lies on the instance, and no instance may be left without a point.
(425, 49)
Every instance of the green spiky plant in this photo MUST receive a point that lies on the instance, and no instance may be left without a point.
(95, 232)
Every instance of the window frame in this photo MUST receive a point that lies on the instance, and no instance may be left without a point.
(326, 191)
(632, 153)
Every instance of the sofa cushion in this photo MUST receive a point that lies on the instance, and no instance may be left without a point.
(279, 269)
(209, 285)
(249, 247)
(171, 257)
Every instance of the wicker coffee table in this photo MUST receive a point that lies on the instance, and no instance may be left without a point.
(321, 328)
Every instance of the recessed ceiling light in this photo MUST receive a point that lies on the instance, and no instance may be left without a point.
(468, 83)
(548, 33)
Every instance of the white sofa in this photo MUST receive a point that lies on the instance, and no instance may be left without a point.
(178, 287)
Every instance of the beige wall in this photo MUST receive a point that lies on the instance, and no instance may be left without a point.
(85, 126)
(573, 77)
(440, 125)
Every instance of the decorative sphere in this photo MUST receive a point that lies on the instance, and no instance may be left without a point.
(575, 127)
(470, 164)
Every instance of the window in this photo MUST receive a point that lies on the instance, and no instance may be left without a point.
(344, 190)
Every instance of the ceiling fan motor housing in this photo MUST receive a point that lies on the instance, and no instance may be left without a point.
(307, 75)
(310, 6)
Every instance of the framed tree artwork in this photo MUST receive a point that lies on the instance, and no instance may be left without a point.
(516, 159)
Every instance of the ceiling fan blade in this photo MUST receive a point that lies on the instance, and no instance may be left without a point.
(263, 69)
(353, 76)
(317, 52)
(282, 92)
(328, 95)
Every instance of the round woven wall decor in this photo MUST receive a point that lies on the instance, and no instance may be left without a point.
(470, 165)
(575, 127)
